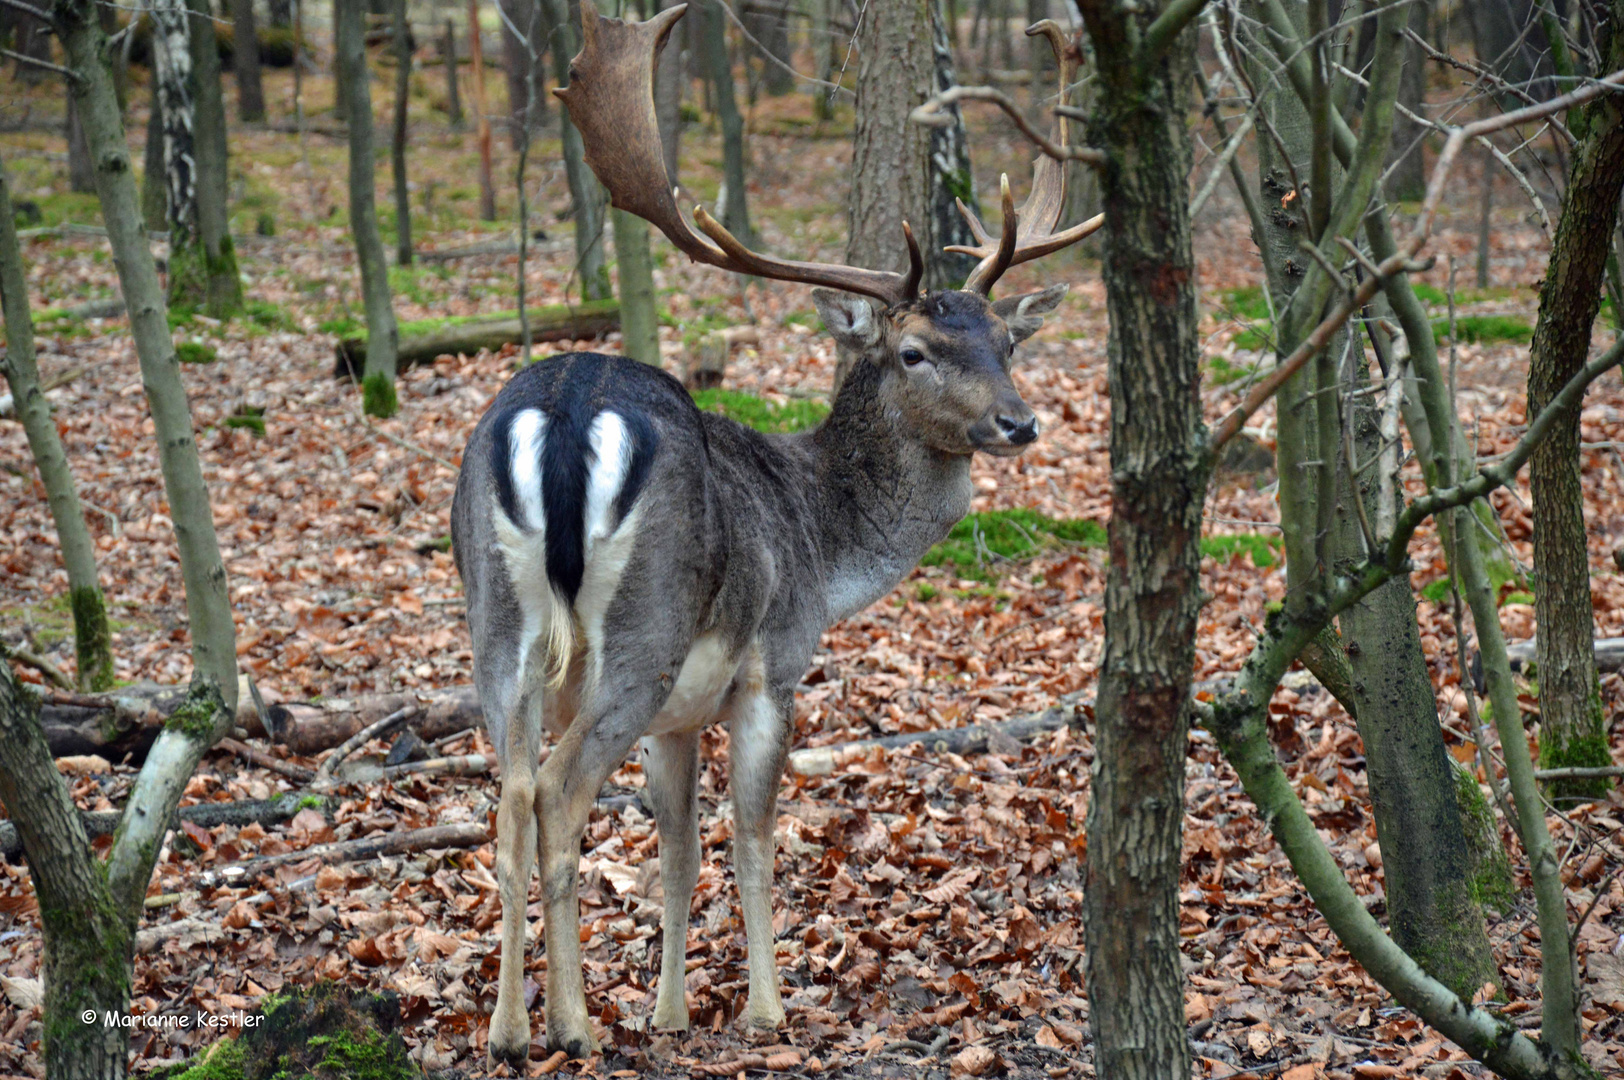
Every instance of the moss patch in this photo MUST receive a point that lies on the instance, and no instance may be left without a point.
(1491, 879)
(763, 415)
(92, 639)
(1582, 750)
(1261, 548)
(981, 540)
(195, 352)
(378, 396)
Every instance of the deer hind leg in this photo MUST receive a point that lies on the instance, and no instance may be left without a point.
(515, 843)
(671, 765)
(567, 785)
(762, 722)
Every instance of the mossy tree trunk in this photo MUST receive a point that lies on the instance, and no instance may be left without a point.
(245, 62)
(586, 195)
(92, 642)
(172, 77)
(1572, 727)
(448, 53)
(378, 382)
(1159, 470)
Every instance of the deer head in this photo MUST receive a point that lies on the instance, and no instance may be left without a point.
(943, 357)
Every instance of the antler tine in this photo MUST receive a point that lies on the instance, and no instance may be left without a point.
(916, 262)
(610, 98)
(1030, 232)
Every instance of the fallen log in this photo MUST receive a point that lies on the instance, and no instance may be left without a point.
(1609, 654)
(470, 251)
(423, 342)
(463, 834)
(309, 729)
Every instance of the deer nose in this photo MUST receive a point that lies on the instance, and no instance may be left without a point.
(1019, 431)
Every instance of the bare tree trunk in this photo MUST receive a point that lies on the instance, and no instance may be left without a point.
(81, 176)
(172, 72)
(91, 638)
(448, 53)
(487, 182)
(281, 12)
(397, 145)
(1159, 471)
(639, 318)
(213, 634)
(823, 53)
(890, 169)
(1572, 723)
(1409, 179)
(154, 185)
(735, 213)
(770, 26)
(586, 194)
(33, 40)
(950, 176)
(245, 62)
(668, 86)
(222, 284)
(341, 96)
(378, 384)
(516, 65)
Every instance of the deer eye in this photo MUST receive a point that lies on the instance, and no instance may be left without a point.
(912, 356)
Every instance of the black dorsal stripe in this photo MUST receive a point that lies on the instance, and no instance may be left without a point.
(645, 440)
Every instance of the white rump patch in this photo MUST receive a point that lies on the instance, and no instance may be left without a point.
(526, 434)
(612, 457)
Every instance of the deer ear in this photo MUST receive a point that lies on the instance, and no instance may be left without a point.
(849, 317)
(1024, 314)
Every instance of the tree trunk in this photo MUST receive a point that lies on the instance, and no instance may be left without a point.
(422, 344)
(33, 40)
(91, 638)
(341, 96)
(172, 72)
(770, 26)
(222, 284)
(1572, 724)
(890, 168)
(735, 213)
(823, 53)
(88, 938)
(639, 318)
(1509, 41)
(281, 12)
(397, 145)
(586, 195)
(1159, 470)
(517, 61)
(245, 62)
(214, 654)
(378, 384)
(482, 113)
(950, 176)
(1408, 181)
(448, 53)
(81, 175)
(154, 177)
(668, 86)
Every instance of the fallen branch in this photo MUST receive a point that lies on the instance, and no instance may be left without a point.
(29, 658)
(308, 729)
(822, 760)
(395, 720)
(297, 773)
(1580, 772)
(271, 811)
(461, 835)
(471, 251)
(1609, 653)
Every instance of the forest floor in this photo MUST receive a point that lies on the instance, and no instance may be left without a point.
(929, 905)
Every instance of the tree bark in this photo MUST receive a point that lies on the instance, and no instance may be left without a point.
(890, 168)
(1159, 471)
(91, 638)
(245, 62)
(517, 61)
(586, 195)
(221, 283)
(951, 178)
(770, 26)
(378, 382)
(482, 114)
(81, 176)
(172, 76)
(735, 212)
(1572, 725)
(448, 54)
(397, 144)
(639, 318)
(154, 183)
(281, 13)
(214, 654)
(669, 78)
(88, 937)
(1408, 182)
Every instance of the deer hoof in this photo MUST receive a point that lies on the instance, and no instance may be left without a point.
(508, 1047)
(674, 1018)
(768, 1015)
(578, 1045)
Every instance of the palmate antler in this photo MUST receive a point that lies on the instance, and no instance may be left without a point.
(1029, 232)
(611, 100)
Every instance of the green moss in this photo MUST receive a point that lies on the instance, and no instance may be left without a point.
(794, 415)
(1491, 881)
(1246, 302)
(1586, 749)
(312, 802)
(1220, 372)
(345, 326)
(87, 945)
(225, 1060)
(1261, 548)
(265, 224)
(92, 639)
(1485, 329)
(378, 395)
(925, 592)
(225, 283)
(196, 715)
(195, 352)
(248, 418)
(189, 277)
(1021, 533)
(327, 1033)
(269, 316)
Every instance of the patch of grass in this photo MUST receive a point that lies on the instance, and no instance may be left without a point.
(195, 352)
(269, 316)
(1261, 548)
(1007, 534)
(57, 208)
(1246, 302)
(407, 281)
(345, 326)
(1485, 329)
(1256, 338)
(747, 409)
(1431, 294)
(248, 417)
(1220, 372)
(804, 318)
(925, 592)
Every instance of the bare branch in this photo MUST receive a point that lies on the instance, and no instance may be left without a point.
(24, 58)
(930, 114)
(1168, 25)
(28, 9)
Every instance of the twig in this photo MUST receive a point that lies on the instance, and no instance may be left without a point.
(324, 773)
(462, 765)
(24, 58)
(408, 445)
(1579, 772)
(29, 658)
(297, 773)
(463, 834)
(930, 114)
(773, 57)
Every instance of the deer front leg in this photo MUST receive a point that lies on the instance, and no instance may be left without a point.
(760, 741)
(515, 840)
(671, 765)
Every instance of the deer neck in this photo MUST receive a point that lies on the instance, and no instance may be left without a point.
(884, 496)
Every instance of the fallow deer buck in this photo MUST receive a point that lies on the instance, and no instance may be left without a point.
(636, 568)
